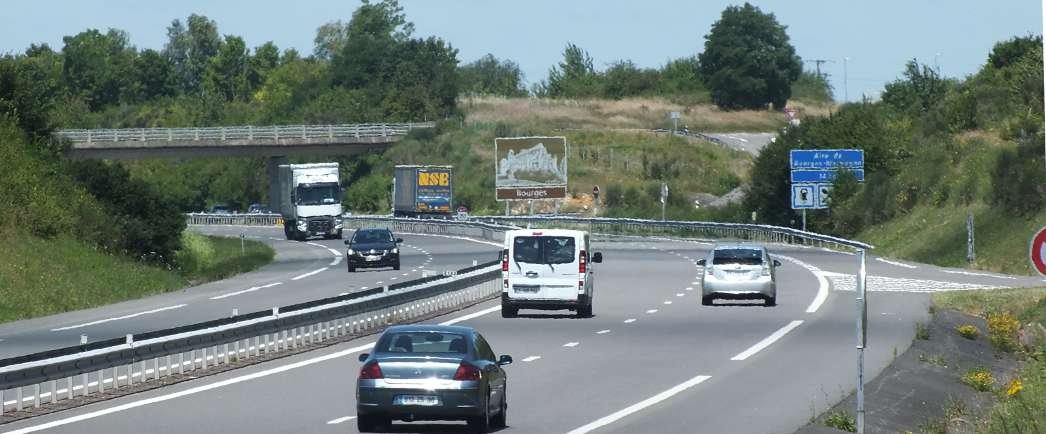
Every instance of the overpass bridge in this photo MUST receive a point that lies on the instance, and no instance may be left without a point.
(275, 142)
(236, 141)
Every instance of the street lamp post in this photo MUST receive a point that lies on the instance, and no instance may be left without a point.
(846, 88)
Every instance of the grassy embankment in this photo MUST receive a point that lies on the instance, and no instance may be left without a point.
(1020, 405)
(47, 276)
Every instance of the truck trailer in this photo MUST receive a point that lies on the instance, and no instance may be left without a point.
(310, 200)
(423, 191)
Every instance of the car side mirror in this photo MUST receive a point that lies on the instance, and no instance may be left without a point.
(597, 257)
(505, 360)
(399, 240)
(363, 357)
(777, 263)
(702, 262)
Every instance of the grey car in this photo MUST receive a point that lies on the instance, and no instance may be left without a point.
(431, 372)
(739, 271)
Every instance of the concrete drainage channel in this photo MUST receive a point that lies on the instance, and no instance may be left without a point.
(23, 395)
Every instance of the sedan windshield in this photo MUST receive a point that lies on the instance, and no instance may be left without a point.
(738, 256)
(543, 250)
(364, 237)
(422, 343)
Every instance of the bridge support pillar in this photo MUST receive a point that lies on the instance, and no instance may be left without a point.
(272, 169)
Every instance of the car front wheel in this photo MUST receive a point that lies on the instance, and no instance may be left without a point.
(370, 423)
(706, 300)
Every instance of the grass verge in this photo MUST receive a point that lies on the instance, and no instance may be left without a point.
(937, 235)
(41, 277)
(1021, 403)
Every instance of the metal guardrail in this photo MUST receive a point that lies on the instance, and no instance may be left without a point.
(247, 132)
(64, 374)
(234, 219)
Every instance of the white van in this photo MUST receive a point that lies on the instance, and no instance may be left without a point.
(547, 269)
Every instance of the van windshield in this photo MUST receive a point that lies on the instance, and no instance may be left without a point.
(737, 256)
(543, 250)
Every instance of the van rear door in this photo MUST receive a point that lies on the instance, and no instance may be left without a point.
(543, 267)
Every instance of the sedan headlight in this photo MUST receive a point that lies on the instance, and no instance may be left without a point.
(302, 225)
(350, 252)
(396, 250)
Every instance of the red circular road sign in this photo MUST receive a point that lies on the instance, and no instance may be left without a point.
(1037, 252)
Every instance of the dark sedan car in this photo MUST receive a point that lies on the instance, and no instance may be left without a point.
(431, 372)
(370, 248)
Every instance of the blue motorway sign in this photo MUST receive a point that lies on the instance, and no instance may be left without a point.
(805, 176)
(826, 159)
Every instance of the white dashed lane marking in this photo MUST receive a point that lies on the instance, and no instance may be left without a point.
(652, 311)
(630, 320)
(531, 358)
(340, 420)
(571, 344)
(603, 332)
(251, 289)
(679, 294)
(668, 302)
(133, 315)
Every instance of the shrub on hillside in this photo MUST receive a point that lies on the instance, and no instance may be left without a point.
(1019, 179)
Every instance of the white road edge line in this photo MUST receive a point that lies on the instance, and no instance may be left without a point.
(102, 321)
(251, 289)
(634, 408)
(822, 283)
(340, 420)
(310, 273)
(767, 341)
(223, 383)
(967, 273)
(899, 264)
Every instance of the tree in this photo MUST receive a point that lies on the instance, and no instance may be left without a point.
(573, 77)
(681, 76)
(330, 38)
(265, 59)
(226, 73)
(624, 79)
(30, 87)
(748, 60)
(490, 76)
(921, 89)
(190, 49)
(154, 76)
(371, 35)
(98, 67)
(1008, 52)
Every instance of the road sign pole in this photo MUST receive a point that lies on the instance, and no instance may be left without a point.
(862, 337)
(969, 237)
(804, 219)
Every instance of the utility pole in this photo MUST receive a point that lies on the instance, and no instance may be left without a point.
(817, 64)
(846, 88)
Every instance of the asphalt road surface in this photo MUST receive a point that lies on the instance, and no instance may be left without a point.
(652, 359)
(300, 272)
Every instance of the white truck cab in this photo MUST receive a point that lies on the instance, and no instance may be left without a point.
(547, 269)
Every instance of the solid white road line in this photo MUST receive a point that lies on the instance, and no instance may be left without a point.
(639, 406)
(472, 315)
(899, 264)
(251, 289)
(223, 383)
(630, 320)
(340, 420)
(531, 358)
(766, 342)
(310, 273)
(967, 273)
(822, 283)
(571, 344)
(102, 321)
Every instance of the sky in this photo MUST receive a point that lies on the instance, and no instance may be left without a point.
(864, 42)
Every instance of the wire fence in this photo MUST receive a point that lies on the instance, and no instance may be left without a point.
(248, 132)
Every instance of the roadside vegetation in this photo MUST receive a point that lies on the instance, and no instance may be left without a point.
(1016, 320)
(44, 276)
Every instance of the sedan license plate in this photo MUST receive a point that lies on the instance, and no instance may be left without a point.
(373, 258)
(421, 400)
(525, 288)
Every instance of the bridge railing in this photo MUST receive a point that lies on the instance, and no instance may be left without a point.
(247, 132)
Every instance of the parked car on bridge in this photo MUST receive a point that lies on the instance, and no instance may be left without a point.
(431, 372)
(257, 208)
(219, 208)
(739, 271)
(373, 247)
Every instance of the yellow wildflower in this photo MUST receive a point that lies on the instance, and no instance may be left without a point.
(1015, 387)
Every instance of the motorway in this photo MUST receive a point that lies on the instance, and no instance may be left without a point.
(300, 272)
(652, 359)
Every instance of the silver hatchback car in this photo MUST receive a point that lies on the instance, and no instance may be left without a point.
(431, 372)
(739, 271)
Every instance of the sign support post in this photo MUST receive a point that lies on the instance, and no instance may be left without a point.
(804, 219)
(862, 337)
(969, 237)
